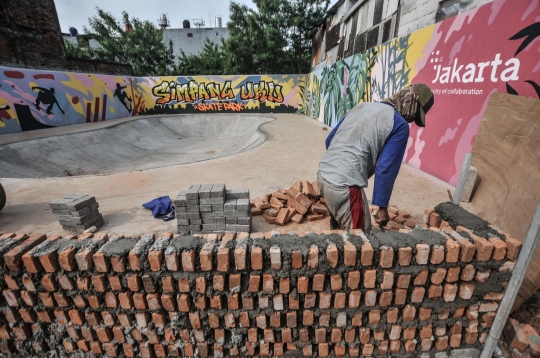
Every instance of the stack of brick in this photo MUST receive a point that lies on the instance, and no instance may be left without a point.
(410, 294)
(77, 212)
(210, 208)
(301, 201)
(399, 219)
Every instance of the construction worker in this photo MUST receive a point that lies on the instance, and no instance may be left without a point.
(370, 139)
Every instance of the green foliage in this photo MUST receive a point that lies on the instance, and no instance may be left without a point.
(210, 61)
(142, 47)
(393, 57)
(274, 38)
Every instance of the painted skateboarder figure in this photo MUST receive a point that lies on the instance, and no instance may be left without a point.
(122, 96)
(46, 96)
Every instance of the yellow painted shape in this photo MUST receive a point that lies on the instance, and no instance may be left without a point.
(78, 107)
(111, 109)
(418, 41)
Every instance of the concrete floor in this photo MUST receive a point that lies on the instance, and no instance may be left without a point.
(291, 153)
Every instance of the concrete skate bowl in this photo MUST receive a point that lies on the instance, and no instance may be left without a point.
(134, 145)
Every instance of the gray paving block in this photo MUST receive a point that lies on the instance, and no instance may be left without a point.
(220, 226)
(180, 209)
(204, 191)
(217, 207)
(182, 221)
(231, 220)
(244, 221)
(207, 214)
(97, 221)
(231, 213)
(81, 203)
(242, 204)
(192, 202)
(181, 199)
(239, 228)
(188, 215)
(218, 190)
(217, 200)
(195, 221)
(243, 213)
(183, 227)
(72, 204)
(237, 194)
(208, 220)
(206, 208)
(78, 220)
(193, 192)
(218, 213)
(209, 227)
(230, 204)
(219, 220)
(193, 208)
(194, 227)
(75, 196)
(85, 211)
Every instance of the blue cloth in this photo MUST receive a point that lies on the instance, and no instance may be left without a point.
(160, 208)
(389, 161)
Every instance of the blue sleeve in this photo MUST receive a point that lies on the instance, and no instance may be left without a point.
(332, 133)
(390, 161)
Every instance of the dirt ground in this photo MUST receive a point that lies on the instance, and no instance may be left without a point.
(291, 153)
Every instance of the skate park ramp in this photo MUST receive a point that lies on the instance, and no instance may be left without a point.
(134, 145)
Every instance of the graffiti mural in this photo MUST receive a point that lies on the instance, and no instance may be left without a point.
(495, 47)
(44, 99)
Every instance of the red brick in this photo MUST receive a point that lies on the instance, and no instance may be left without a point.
(452, 274)
(44, 316)
(66, 259)
(452, 250)
(325, 300)
(434, 292)
(408, 313)
(29, 298)
(62, 300)
(388, 280)
(513, 248)
(422, 254)
(133, 282)
(13, 259)
(99, 283)
(450, 292)
(484, 248)
(467, 249)
(424, 313)
(468, 272)
(366, 256)
(313, 257)
(296, 258)
(188, 261)
(233, 301)
(240, 258)
(47, 299)
(434, 219)
(421, 278)
(353, 280)
(268, 283)
(387, 257)
(370, 277)
(284, 285)
(404, 256)
(83, 283)
(437, 255)
(223, 259)
(257, 258)
(370, 298)
(125, 319)
(101, 262)
(417, 295)
(28, 283)
(499, 248)
(349, 254)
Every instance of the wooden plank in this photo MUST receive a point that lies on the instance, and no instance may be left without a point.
(520, 270)
(462, 178)
(506, 153)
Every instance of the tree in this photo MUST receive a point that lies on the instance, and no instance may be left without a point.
(274, 38)
(210, 61)
(139, 43)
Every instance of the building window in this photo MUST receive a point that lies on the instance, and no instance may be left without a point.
(217, 34)
(189, 34)
(447, 9)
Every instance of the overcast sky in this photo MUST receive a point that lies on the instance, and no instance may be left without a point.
(76, 12)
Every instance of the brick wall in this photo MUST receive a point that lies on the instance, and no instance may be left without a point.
(410, 293)
(30, 37)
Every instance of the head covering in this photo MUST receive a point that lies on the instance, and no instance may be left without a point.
(413, 102)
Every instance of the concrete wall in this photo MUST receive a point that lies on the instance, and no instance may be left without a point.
(86, 97)
(437, 55)
(191, 40)
(363, 24)
(409, 294)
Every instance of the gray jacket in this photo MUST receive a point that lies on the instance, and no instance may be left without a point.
(354, 151)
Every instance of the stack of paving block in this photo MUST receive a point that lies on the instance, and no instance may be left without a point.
(210, 208)
(77, 212)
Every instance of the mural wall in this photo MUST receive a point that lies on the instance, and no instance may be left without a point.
(44, 99)
(495, 47)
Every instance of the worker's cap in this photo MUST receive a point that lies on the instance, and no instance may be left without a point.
(426, 100)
